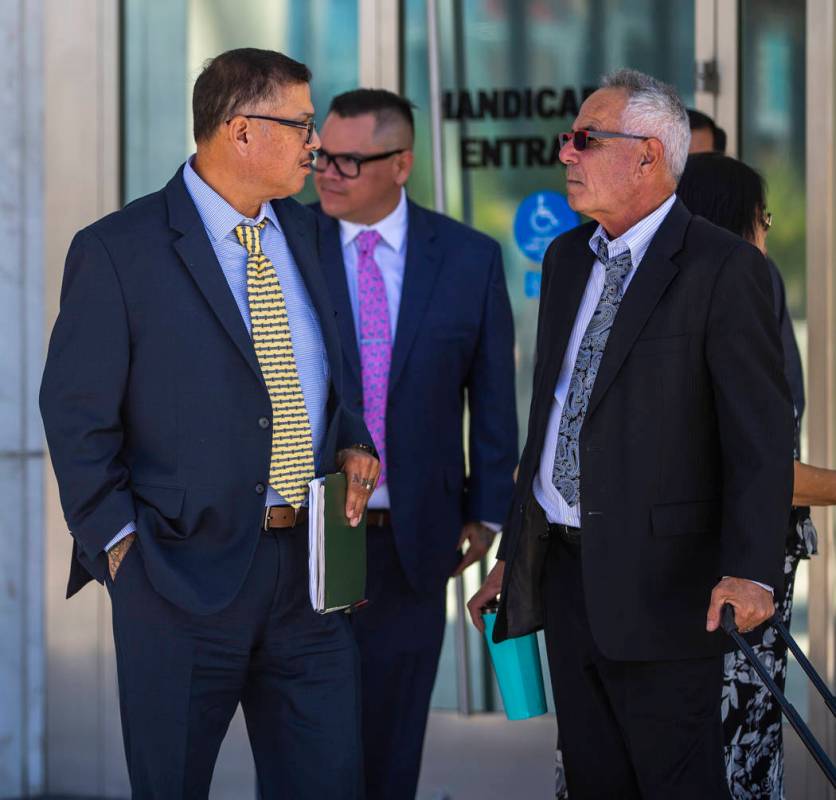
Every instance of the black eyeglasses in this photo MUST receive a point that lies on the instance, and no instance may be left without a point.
(580, 139)
(309, 126)
(346, 164)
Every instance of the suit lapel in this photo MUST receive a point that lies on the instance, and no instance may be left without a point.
(652, 278)
(195, 250)
(333, 265)
(570, 275)
(300, 236)
(423, 262)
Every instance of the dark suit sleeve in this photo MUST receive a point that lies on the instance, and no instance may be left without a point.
(792, 357)
(754, 417)
(492, 403)
(352, 430)
(520, 491)
(83, 387)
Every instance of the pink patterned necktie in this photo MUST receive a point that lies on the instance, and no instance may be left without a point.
(375, 342)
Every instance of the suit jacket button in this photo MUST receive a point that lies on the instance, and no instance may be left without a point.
(263, 422)
(260, 488)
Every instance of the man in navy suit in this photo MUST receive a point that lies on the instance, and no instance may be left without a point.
(425, 321)
(192, 389)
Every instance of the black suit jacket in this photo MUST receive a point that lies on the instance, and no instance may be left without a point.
(454, 340)
(686, 447)
(153, 400)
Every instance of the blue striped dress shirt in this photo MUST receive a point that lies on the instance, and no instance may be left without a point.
(637, 239)
(220, 220)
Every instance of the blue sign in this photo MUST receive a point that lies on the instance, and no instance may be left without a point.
(540, 218)
(532, 283)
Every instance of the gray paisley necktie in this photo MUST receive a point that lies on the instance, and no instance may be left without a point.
(567, 472)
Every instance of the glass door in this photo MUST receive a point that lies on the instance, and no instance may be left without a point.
(772, 139)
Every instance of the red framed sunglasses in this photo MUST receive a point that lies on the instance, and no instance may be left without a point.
(581, 138)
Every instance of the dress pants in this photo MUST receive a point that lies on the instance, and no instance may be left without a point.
(399, 634)
(628, 729)
(182, 675)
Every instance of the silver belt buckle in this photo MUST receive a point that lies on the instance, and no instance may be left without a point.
(266, 519)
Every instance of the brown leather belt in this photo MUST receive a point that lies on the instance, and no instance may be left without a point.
(283, 517)
(378, 517)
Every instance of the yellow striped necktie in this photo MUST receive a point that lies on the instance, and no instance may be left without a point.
(291, 459)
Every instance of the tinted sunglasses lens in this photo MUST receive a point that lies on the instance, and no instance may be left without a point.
(578, 139)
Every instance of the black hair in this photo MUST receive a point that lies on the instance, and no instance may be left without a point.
(725, 191)
(238, 78)
(385, 105)
(699, 121)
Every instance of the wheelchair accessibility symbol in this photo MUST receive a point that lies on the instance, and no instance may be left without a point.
(539, 219)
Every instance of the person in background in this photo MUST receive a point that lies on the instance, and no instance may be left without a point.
(731, 194)
(191, 392)
(706, 135)
(427, 332)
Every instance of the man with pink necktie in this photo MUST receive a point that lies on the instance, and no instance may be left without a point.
(425, 322)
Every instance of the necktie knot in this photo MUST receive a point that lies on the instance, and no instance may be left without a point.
(615, 267)
(366, 242)
(249, 236)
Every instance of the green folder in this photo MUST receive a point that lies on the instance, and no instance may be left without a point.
(336, 551)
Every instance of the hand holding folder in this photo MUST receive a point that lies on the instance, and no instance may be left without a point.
(336, 549)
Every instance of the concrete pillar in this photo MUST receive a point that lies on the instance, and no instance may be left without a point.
(21, 453)
(81, 184)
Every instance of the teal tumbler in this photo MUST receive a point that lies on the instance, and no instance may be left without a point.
(516, 663)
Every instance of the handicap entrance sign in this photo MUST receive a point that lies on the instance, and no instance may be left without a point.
(540, 218)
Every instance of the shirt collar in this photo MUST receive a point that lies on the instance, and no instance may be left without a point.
(392, 228)
(637, 239)
(219, 218)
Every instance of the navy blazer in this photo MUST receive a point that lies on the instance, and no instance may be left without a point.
(152, 398)
(454, 338)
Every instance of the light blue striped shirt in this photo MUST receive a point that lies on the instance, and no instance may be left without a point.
(220, 220)
(637, 239)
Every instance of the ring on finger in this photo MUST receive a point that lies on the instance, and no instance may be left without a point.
(367, 484)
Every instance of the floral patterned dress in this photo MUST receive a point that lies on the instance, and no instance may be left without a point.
(752, 720)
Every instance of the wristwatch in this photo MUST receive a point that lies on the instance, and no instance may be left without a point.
(366, 448)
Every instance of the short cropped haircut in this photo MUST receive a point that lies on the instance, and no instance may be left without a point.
(654, 109)
(386, 106)
(699, 122)
(725, 191)
(236, 79)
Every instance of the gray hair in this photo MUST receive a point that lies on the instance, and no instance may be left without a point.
(654, 109)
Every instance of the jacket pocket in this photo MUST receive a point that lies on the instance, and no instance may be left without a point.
(168, 500)
(681, 519)
(660, 345)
